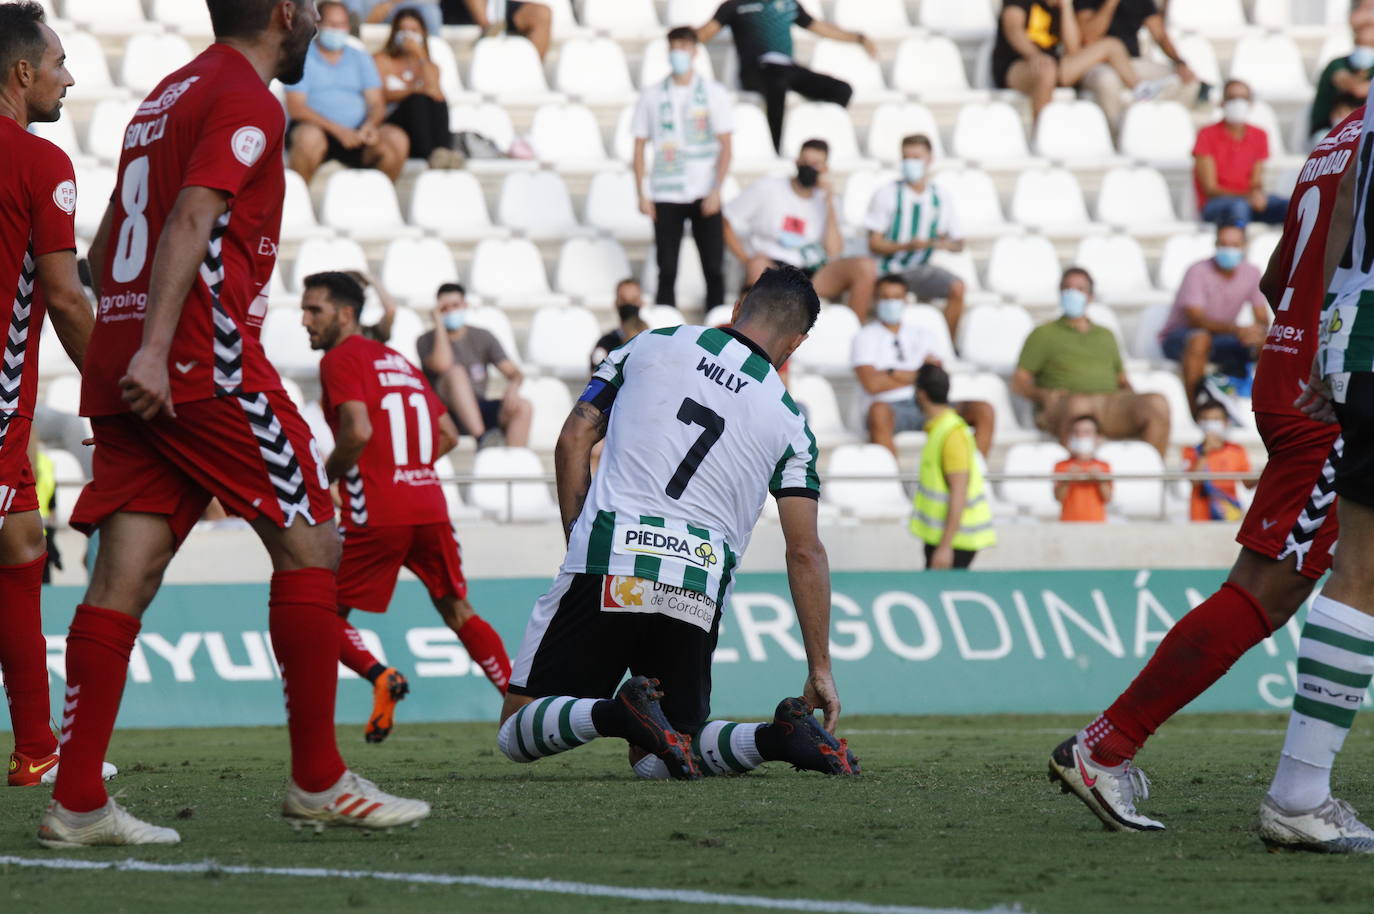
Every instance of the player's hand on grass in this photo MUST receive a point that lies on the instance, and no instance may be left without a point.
(821, 694)
(146, 387)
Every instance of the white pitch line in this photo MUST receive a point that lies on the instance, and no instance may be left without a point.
(508, 883)
(1049, 731)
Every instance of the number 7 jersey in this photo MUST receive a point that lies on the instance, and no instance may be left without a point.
(701, 431)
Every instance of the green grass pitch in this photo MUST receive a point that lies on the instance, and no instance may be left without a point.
(950, 812)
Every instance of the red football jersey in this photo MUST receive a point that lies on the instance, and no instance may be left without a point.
(37, 217)
(1286, 359)
(394, 483)
(214, 124)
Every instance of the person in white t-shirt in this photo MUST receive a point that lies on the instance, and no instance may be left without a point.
(910, 219)
(688, 120)
(792, 222)
(886, 355)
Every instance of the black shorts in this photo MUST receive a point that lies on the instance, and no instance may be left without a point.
(491, 415)
(512, 8)
(962, 557)
(1355, 469)
(573, 646)
(336, 151)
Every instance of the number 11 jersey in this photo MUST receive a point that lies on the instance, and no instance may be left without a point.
(213, 124)
(701, 430)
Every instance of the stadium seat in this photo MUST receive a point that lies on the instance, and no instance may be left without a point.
(1338, 43)
(613, 207)
(568, 138)
(594, 69)
(1032, 458)
(361, 202)
(1051, 200)
(961, 264)
(1074, 131)
(1158, 133)
(452, 205)
(932, 319)
(414, 267)
(537, 204)
(298, 213)
(495, 322)
(622, 18)
(565, 26)
(589, 268)
(511, 272)
(811, 120)
(991, 336)
(1213, 17)
(959, 19)
(827, 349)
(1181, 252)
(516, 501)
(550, 404)
(53, 361)
(859, 188)
(187, 18)
(893, 122)
(149, 57)
(406, 329)
(691, 282)
(878, 498)
(719, 316)
(317, 255)
(1024, 269)
(105, 130)
(1272, 65)
(851, 63)
(980, 209)
(1168, 384)
(751, 145)
(441, 53)
(817, 398)
(458, 509)
(112, 17)
(689, 12)
(561, 339)
(490, 120)
(1117, 264)
(1136, 199)
(1263, 115)
(659, 316)
(313, 414)
(887, 18)
(1137, 499)
(94, 187)
(63, 394)
(1282, 14)
(1147, 326)
(507, 68)
(1262, 246)
(929, 66)
(1200, 54)
(989, 132)
(623, 139)
(286, 343)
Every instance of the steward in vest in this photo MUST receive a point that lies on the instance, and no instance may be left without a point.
(951, 513)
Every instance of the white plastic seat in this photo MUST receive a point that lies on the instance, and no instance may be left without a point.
(1051, 200)
(441, 54)
(1136, 198)
(490, 120)
(1024, 269)
(1159, 132)
(550, 403)
(507, 68)
(316, 255)
(1261, 247)
(495, 322)
(149, 57)
(893, 122)
(511, 271)
(105, 130)
(719, 316)
(878, 498)
(413, 268)
(537, 204)
(1134, 498)
(962, 265)
(560, 340)
(108, 16)
(1282, 14)
(1147, 326)
(613, 207)
(1263, 115)
(989, 132)
(1272, 65)
(689, 12)
(53, 361)
(859, 188)
(186, 18)
(286, 343)
(451, 204)
(589, 268)
(528, 501)
(959, 19)
(1032, 458)
(929, 65)
(594, 69)
(980, 208)
(622, 18)
(815, 394)
(1181, 252)
(1117, 265)
(458, 509)
(1073, 131)
(1168, 384)
(872, 17)
(361, 202)
(1338, 43)
(64, 394)
(821, 120)
(1200, 54)
(851, 63)
(567, 137)
(932, 320)
(406, 329)
(751, 145)
(1211, 17)
(94, 187)
(655, 68)
(313, 414)
(827, 349)
(564, 25)
(298, 213)
(660, 316)
(991, 336)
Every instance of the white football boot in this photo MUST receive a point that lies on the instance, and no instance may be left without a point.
(1331, 828)
(353, 801)
(107, 772)
(1109, 794)
(111, 824)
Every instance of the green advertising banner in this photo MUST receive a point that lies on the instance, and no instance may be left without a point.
(903, 643)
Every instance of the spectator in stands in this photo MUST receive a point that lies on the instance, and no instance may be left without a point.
(951, 513)
(337, 108)
(527, 19)
(792, 221)
(1038, 49)
(628, 300)
(410, 86)
(1216, 499)
(886, 355)
(459, 372)
(763, 41)
(1344, 83)
(1203, 325)
(910, 219)
(1071, 367)
(374, 11)
(380, 331)
(1085, 500)
(1123, 20)
(1228, 166)
(688, 120)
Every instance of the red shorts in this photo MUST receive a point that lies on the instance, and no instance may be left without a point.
(17, 492)
(252, 451)
(374, 556)
(1294, 509)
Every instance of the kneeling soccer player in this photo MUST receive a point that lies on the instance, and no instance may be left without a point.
(699, 430)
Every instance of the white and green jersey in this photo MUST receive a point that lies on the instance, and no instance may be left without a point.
(1347, 327)
(901, 213)
(701, 431)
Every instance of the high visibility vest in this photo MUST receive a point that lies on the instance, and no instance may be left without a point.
(931, 505)
(45, 483)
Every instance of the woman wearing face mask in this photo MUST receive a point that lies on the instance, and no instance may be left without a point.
(1228, 166)
(1216, 500)
(410, 84)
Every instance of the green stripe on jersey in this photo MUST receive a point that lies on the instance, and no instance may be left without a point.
(727, 572)
(647, 566)
(1338, 639)
(756, 366)
(694, 579)
(775, 483)
(1309, 667)
(713, 340)
(1341, 717)
(813, 478)
(666, 331)
(599, 543)
(790, 403)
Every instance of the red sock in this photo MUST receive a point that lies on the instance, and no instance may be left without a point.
(24, 657)
(98, 647)
(1195, 654)
(484, 645)
(300, 602)
(353, 653)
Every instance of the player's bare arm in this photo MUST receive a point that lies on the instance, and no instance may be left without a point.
(180, 250)
(808, 576)
(68, 307)
(448, 435)
(355, 431)
(100, 247)
(572, 459)
(1271, 283)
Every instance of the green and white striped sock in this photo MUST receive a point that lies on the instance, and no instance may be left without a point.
(725, 747)
(1335, 663)
(547, 726)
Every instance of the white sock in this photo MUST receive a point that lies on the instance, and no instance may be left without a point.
(1335, 663)
(728, 748)
(547, 726)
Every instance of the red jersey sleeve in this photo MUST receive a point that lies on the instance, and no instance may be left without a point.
(232, 141)
(342, 378)
(53, 218)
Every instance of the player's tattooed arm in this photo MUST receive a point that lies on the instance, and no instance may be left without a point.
(572, 457)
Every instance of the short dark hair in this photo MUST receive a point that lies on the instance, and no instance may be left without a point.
(933, 381)
(893, 279)
(343, 289)
(1211, 404)
(627, 281)
(682, 33)
(448, 287)
(1078, 271)
(21, 35)
(917, 139)
(1087, 417)
(1230, 224)
(784, 297)
(241, 18)
(819, 145)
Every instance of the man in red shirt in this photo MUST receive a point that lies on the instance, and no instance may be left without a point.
(389, 428)
(186, 407)
(1228, 166)
(37, 275)
(1286, 536)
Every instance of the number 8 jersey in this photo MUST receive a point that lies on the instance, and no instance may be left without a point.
(213, 124)
(701, 431)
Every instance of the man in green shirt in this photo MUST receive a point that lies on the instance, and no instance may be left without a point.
(1344, 84)
(1072, 367)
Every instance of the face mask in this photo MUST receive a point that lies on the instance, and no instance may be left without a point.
(627, 312)
(680, 62)
(1362, 58)
(454, 320)
(1073, 302)
(1229, 258)
(407, 38)
(333, 39)
(1213, 428)
(914, 170)
(890, 310)
(1236, 110)
(1083, 445)
(807, 176)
